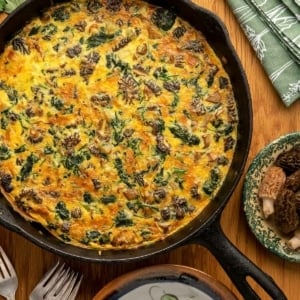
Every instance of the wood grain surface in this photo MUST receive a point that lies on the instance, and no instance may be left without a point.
(271, 119)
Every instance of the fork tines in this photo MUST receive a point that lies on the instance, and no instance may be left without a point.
(58, 283)
(8, 277)
(6, 268)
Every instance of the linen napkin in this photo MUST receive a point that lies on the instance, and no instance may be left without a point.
(273, 29)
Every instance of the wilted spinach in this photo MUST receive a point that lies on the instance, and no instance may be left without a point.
(108, 199)
(4, 152)
(122, 219)
(121, 172)
(61, 14)
(184, 135)
(118, 125)
(100, 38)
(62, 211)
(27, 166)
(211, 184)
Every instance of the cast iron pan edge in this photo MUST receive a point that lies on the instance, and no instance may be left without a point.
(206, 229)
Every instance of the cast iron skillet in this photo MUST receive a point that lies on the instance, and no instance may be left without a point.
(204, 230)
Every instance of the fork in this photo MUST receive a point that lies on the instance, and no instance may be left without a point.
(8, 277)
(59, 283)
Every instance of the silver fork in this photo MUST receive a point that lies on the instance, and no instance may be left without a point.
(59, 283)
(8, 277)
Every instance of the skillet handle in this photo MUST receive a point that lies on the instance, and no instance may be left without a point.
(237, 266)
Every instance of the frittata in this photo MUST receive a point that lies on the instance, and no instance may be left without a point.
(118, 123)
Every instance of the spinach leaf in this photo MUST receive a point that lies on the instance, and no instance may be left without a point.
(73, 161)
(48, 150)
(95, 236)
(20, 149)
(118, 125)
(184, 135)
(114, 62)
(34, 30)
(160, 178)
(4, 152)
(108, 199)
(211, 184)
(62, 211)
(137, 205)
(134, 144)
(48, 30)
(100, 38)
(122, 219)
(121, 172)
(87, 197)
(61, 14)
(28, 165)
(11, 93)
(178, 175)
(57, 103)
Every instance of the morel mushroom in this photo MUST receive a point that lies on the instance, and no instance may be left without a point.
(293, 181)
(290, 160)
(269, 188)
(294, 242)
(285, 211)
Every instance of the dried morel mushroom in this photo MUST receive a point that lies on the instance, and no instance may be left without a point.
(290, 160)
(129, 88)
(179, 32)
(297, 199)
(94, 6)
(19, 45)
(269, 188)
(285, 211)
(113, 5)
(293, 181)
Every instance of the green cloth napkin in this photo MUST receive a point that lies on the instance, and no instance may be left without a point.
(294, 7)
(273, 28)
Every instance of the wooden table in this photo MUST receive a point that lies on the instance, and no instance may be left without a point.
(271, 119)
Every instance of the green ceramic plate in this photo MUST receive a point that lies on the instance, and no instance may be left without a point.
(264, 230)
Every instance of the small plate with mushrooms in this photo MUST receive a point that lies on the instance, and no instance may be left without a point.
(271, 196)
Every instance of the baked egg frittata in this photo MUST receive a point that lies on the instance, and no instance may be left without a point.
(118, 123)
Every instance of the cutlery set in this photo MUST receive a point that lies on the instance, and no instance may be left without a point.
(59, 283)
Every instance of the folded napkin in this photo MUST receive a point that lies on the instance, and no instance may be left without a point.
(273, 28)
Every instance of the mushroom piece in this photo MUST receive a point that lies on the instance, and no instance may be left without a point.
(290, 160)
(297, 199)
(294, 242)
(269, 188)
(285, 211)
(293, 181)
(130, 194)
